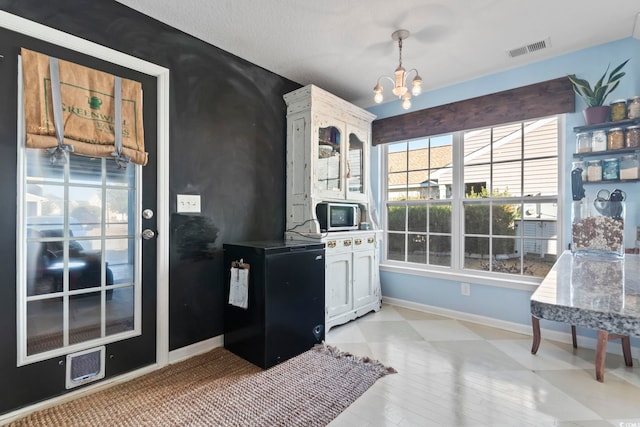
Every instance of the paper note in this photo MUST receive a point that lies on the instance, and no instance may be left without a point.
(239, 287)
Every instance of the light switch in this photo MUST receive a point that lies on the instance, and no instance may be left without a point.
(188, 203)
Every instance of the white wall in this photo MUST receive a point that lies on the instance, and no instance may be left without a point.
(502, 303)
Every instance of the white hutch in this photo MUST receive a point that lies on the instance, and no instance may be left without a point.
(328, 155)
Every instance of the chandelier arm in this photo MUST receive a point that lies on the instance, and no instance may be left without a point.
(406, 74)
(393, 82)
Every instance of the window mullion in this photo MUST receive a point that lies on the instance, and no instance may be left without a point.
(65, 258)
(457, 206)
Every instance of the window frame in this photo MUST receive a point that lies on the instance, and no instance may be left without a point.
(457, 272)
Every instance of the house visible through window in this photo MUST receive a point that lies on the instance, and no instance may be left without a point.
(482, 200)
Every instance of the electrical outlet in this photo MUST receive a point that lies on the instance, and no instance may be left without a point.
(188, 203)
(465, 289)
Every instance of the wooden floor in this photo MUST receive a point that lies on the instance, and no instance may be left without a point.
(455, 373)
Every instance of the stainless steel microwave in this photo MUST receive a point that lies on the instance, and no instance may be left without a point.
(338, 216)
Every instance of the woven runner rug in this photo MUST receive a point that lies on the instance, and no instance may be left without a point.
(219, 388)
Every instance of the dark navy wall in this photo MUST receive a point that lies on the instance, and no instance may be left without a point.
(227, 143)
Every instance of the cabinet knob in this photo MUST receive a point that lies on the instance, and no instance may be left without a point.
(358, 241)
(347, 242)
(370, 240)
(331, 243)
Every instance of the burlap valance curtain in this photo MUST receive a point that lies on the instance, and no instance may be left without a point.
(89, 112)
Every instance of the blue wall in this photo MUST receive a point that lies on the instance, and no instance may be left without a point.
(501, 303)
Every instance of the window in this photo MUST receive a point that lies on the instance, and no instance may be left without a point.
(78, 278)
(481, 201)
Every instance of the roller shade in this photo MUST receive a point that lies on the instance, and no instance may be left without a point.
(89, 107)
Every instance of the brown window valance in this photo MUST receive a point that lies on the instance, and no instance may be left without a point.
(87, 98)
(523, 103)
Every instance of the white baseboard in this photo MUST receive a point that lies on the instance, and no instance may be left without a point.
(195, 349)
(549, 334)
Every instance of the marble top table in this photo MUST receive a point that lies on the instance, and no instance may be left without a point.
(595, 292)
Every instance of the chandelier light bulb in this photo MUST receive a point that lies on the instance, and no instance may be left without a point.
(378, 98)
(406, 101)
(417, 86)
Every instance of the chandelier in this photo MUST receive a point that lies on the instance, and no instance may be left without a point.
(400, 82)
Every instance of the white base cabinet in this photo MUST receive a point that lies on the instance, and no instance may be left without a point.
(352, 280)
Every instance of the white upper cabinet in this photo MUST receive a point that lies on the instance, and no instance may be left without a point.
(328, 144)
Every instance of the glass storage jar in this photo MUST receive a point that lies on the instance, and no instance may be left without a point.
(618, 110)
(598, 140)
(633, 108)
(629, 166)
(580, 165)
(583, 142)
(615, 139)
(610, 169)
(632, 138)
(594, 170)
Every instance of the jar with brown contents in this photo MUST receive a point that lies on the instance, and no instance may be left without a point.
(632, 139)
(633, 111)
(615, 139)
(618, 110)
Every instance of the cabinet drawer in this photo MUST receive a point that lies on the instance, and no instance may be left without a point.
(339, 245)
(364, 242)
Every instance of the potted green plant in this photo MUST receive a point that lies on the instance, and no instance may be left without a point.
(596, 111)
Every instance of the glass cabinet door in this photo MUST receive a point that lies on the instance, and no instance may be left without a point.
(329, 162)
(355, 165)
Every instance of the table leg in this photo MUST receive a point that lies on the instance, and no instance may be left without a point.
(601, 352)
(535, 324)
(574, 338)
(626, 350)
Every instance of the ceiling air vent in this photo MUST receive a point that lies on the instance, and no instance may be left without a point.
(530, 48)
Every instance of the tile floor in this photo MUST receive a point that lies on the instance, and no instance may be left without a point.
(456, 373)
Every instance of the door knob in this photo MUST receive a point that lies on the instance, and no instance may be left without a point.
(148, 234)
(147, 213)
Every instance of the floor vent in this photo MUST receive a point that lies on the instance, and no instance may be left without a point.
(85, 366)
(530, 48)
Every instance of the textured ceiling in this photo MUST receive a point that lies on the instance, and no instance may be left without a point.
(343, 46)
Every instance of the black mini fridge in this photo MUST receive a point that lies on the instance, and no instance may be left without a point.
(285, 308)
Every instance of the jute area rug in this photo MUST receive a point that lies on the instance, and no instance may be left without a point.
(219, 388)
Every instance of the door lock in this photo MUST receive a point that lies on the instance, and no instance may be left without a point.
(148, 234)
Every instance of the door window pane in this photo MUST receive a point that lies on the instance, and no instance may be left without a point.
(120, 310)
(84, 320)
(120, 261)
(39, 167)
(44, 325)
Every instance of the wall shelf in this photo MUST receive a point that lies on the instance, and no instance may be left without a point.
(607, 153)
(607, 125)
(610, 181)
